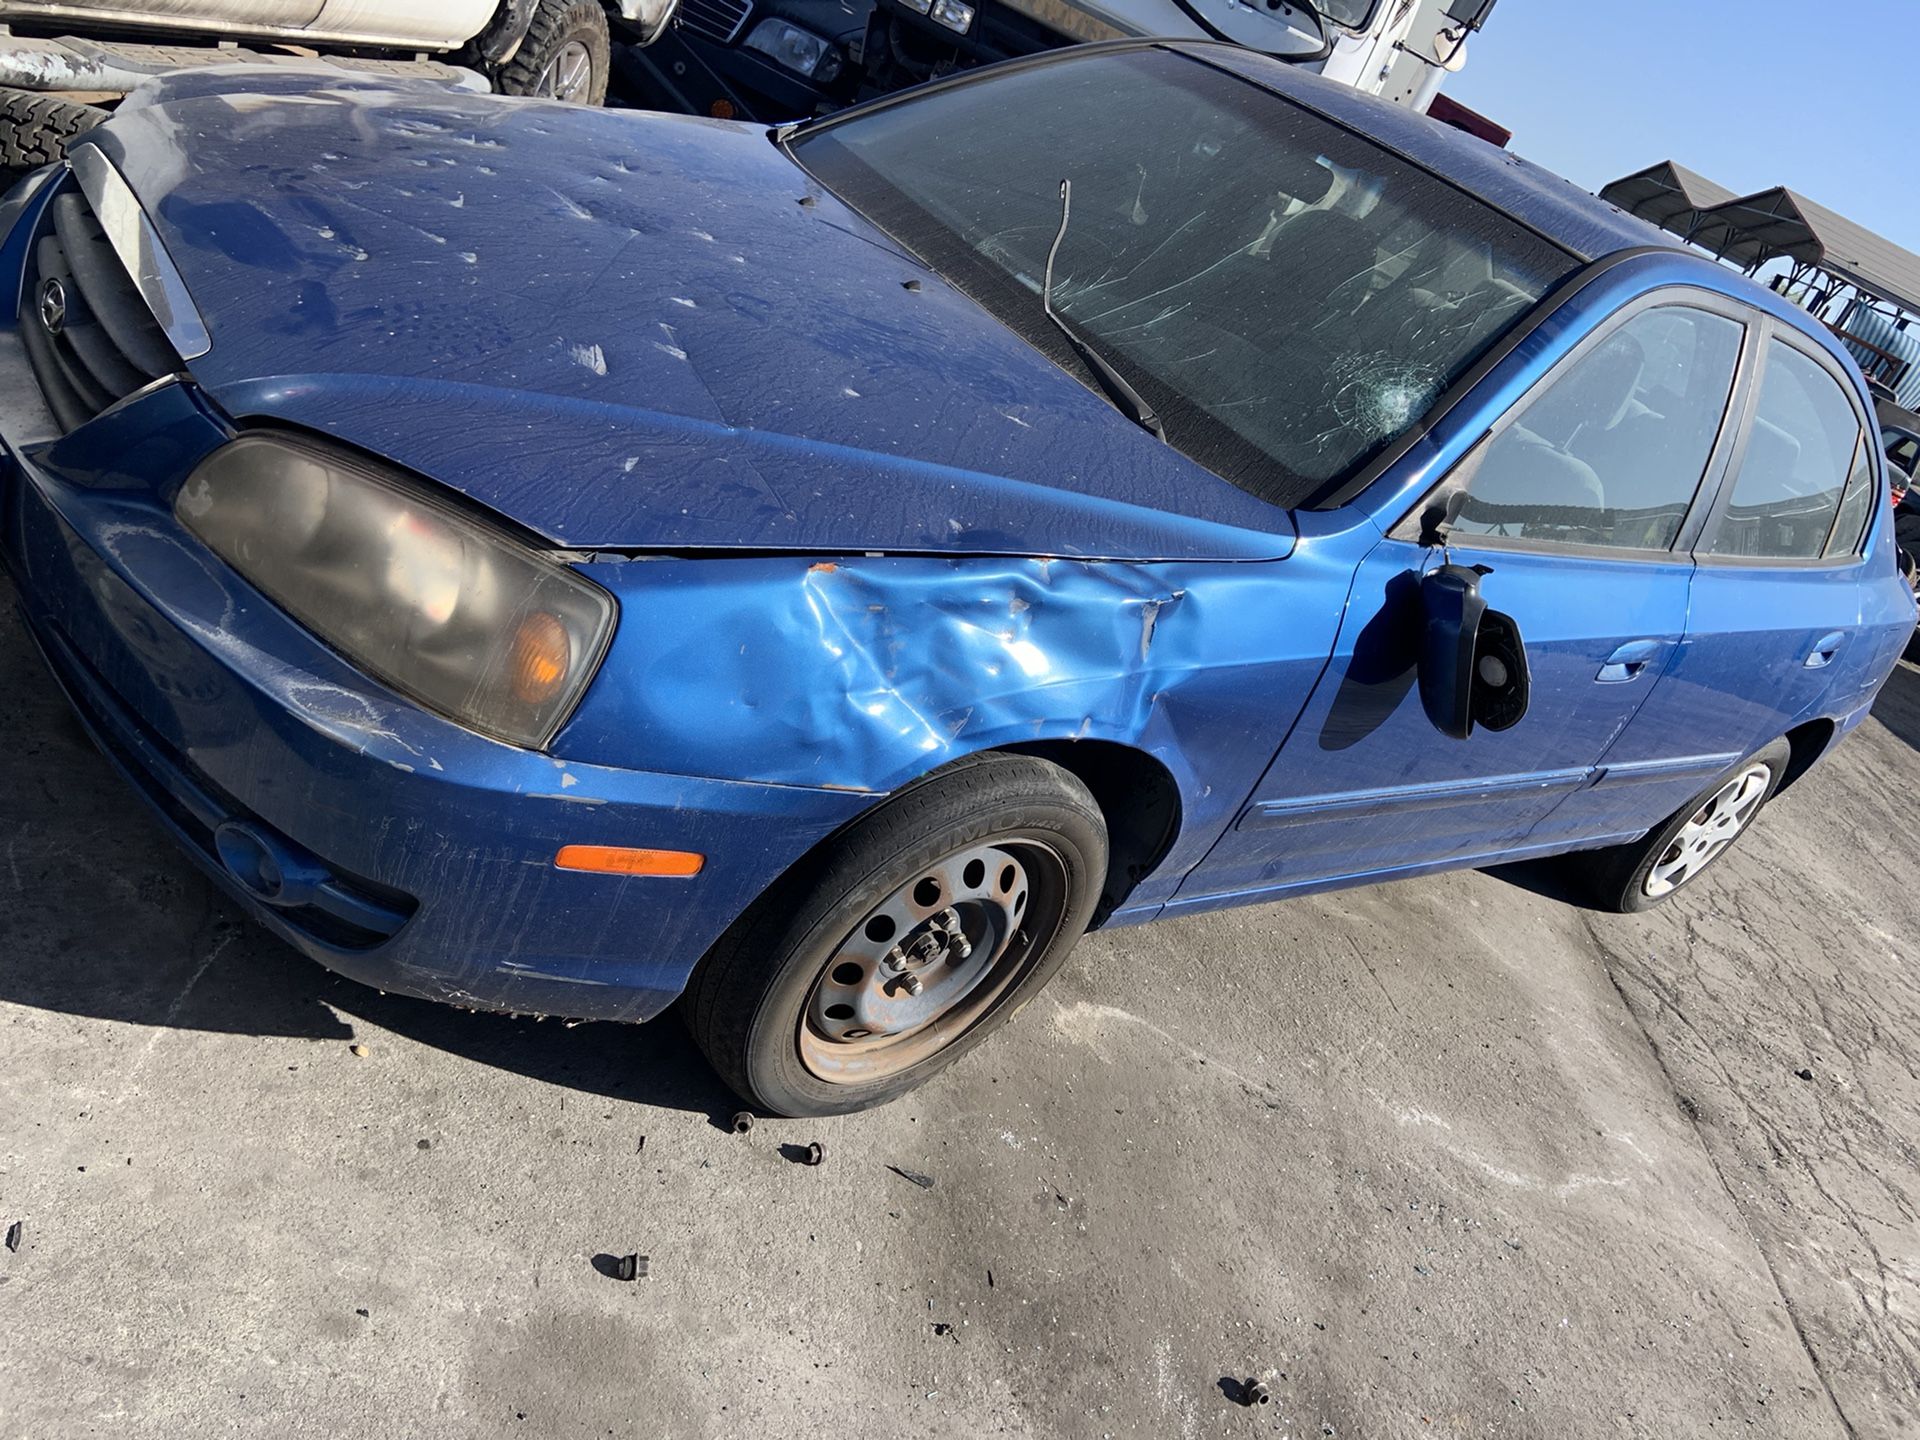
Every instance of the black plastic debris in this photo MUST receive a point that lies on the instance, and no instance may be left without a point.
(942, 1327)
(1804, 1074)
(1251, 1392)
(925, 1182)
(361, 1311)
(741, 1124)
(638, 1149)
(423, 1144)
(13, 1235)
(913, 285)
(631, 1267)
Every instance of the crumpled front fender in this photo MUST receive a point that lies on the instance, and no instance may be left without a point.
(864, 673)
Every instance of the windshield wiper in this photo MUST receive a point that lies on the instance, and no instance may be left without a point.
(1129, 401)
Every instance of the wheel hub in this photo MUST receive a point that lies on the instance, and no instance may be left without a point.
(924, 963)
(1709, 830)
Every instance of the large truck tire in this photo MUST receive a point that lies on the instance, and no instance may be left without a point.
(565, 56)
(36, 129)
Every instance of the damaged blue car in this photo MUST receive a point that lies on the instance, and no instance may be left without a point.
(567, 561)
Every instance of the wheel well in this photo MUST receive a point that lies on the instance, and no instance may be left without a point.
(1808, 743)
(1138, 799)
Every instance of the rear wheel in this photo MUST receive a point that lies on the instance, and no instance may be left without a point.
(1639, 875)
(904, 944)
(564, 56)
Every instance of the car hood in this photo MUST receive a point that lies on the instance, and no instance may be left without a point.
(631, 331)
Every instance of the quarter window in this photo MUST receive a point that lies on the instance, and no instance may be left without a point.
(1805, 445)
(1611, 450)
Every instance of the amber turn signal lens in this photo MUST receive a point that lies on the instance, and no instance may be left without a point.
(620, 860)
(539, 658)
(722, 109)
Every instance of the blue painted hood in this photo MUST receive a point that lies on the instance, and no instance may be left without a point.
(624, 330)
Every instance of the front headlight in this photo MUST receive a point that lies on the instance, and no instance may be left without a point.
(799, 50)
(454, 612)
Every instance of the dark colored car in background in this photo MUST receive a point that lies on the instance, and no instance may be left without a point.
(779, 60)
(569, 561)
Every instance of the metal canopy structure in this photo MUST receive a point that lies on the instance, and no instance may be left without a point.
(1668, 194)
(1866, 287)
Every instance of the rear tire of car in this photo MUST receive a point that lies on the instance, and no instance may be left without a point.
(563, 36)
(1016, 848)
(1645, 872)
(36, 129)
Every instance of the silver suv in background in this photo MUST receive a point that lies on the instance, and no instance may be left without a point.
(64, 63)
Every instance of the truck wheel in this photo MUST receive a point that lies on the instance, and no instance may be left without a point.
(35, 129)
(905, 942)
(1644, 872)
(564, 55)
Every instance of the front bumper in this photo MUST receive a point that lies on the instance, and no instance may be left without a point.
(427, 849)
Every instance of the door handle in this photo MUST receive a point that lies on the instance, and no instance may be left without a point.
(1628, 661)
(1824, 649)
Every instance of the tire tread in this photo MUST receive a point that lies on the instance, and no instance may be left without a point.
(35, 129)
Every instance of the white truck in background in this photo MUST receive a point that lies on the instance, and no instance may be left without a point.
(1400, 50)
(63, 62)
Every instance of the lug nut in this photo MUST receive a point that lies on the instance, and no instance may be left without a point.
(816, 1153)
(742, 1122)
(1255, 1392)
(913, 984)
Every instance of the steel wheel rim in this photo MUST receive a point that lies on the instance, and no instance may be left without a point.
(569, 75)
(932, 960)
(1708, 831)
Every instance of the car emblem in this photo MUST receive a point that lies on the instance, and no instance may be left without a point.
(53, 305)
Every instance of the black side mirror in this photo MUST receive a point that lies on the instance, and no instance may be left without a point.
(1473, 664)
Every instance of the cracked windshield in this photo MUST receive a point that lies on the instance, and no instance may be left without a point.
(1287, 296)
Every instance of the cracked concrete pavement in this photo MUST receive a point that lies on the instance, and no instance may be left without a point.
(1445, 1157)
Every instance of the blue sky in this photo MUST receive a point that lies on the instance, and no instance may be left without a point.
(1824, 98)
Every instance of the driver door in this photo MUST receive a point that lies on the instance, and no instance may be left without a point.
(1575, 505)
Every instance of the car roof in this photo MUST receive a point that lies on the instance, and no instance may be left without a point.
(1545, 202)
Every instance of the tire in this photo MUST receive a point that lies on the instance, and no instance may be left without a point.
(35, 129)
(561, 32)
(1016, 847)
(1645, 872)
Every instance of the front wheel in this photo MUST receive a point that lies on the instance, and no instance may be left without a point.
(1644, 872)
(906, 942)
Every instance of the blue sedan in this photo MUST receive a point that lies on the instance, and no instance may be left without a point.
(563, 561)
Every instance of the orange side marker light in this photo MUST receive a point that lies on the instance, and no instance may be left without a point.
(622, 860)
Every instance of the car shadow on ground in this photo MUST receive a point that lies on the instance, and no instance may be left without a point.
(105, 917)
(1898, 707)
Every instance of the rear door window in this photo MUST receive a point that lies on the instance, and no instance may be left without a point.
(1609, 451)
(1803, 449)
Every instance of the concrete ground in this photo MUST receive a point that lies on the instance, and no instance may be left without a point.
(1446, 1157)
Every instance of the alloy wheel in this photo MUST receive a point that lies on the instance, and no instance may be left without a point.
(1708, 831)
(569, 75)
